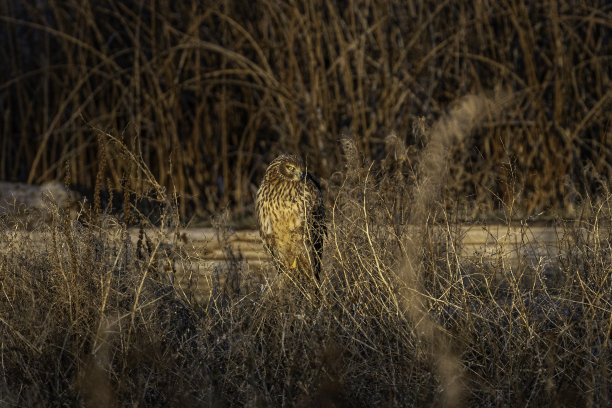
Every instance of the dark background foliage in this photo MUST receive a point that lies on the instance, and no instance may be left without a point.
(208, 92)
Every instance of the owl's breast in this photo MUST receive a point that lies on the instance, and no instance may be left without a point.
(291, 215)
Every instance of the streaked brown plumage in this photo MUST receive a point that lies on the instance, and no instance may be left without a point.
(290, 213)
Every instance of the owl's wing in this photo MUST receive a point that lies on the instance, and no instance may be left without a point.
(318, 206)
(317, 228)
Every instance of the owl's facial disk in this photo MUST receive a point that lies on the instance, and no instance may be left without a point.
(292, 171)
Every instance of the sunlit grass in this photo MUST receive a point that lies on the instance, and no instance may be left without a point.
(400, 318)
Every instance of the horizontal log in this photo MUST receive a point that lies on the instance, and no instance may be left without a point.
(509, 242)
(204, 243)
(206, 252)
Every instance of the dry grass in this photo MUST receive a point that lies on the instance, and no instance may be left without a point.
(399, 319)
(211, 91)
(180, 106)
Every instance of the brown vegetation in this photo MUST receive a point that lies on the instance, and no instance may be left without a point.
(181, 105)
(211, 91)
(398, 319)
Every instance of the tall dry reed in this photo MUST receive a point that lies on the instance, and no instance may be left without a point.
(211, 91)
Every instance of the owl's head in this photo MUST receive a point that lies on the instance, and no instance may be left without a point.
(290, 167)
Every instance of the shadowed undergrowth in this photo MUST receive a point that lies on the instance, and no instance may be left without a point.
(212, 91)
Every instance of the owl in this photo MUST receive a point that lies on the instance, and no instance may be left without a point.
(290, 214)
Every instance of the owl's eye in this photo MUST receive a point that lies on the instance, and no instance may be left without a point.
(290, 168)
